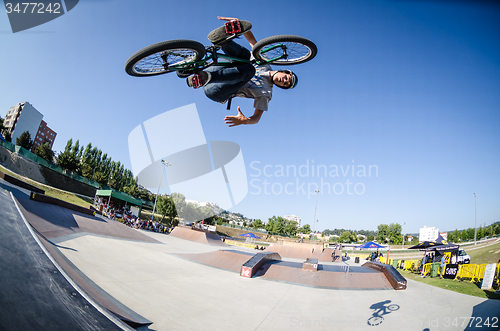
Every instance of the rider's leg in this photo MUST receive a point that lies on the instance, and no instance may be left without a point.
(235, 49)
(225, 81)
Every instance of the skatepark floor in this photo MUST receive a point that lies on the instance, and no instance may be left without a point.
(145, 275)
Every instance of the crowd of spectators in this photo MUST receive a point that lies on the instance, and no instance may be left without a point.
(374, 256)
(155, 226)
(124, 215)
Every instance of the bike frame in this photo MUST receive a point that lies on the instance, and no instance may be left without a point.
(212, 57)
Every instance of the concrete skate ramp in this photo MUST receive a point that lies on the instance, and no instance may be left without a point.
(34, 295)
(224, 259)
(54, 224)
(327, 276)
(52, 221)
(197, 236)
(302, 251)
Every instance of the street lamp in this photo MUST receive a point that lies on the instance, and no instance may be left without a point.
(404, 235)
(475, 223)
(165, 164)
(314, 220)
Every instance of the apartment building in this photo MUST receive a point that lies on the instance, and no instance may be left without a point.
(24, 117)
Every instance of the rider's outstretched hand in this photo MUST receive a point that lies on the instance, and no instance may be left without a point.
(236, 120)
(242, 119)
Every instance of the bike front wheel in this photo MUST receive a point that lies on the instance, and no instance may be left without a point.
(392, 307)
(284, 50)
(164, 57)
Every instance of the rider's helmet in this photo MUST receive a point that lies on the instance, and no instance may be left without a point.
(293, 76)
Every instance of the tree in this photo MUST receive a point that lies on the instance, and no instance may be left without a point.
(24, 140)
(180, 203)
(67, 161)
(2, 128)
(257, 224)
(291, 227)
(8, 136)
(166, 208)
(395, 233)
(383, 233)
(489, 231)
(345, 237)
(497, 228)
(278, 225)
(45, 152)
(354, 238)
(305, 229)
(270, 225)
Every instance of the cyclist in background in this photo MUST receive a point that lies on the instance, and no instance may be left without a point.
(221, 83)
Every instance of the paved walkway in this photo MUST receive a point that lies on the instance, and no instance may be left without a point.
(174, 293)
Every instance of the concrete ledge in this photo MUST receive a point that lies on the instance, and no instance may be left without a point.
(43, 198)
(397, 281)
(20, 183)
(249, 268)
(310, 264)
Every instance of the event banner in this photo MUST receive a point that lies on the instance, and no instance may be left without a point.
(450, 271)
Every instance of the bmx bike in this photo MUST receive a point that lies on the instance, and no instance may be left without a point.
(188, 56)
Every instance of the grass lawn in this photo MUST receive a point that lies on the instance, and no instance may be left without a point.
(465, 287)
(52, 192)
(489, 253)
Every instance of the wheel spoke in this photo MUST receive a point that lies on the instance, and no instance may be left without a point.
(289, 51)
(160, 61)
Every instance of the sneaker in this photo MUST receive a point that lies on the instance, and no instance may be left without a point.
(198, 80)
(228, 31)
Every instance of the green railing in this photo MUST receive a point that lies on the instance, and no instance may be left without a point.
(35, 158)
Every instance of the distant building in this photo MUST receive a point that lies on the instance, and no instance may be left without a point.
(293, 218)
(24, 117)
(428, 234)
(444, 235)
(44, 135)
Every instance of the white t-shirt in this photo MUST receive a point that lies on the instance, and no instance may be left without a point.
(259, 88)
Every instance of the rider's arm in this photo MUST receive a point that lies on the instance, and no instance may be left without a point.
(242, 119)
(250, 38)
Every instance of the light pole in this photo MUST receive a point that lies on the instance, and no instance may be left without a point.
(404, 235)
(165, 164)
(314, 220)
(475, 222)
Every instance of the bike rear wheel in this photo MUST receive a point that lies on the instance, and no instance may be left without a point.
(375, 320)
(284, 50)
(164, 57)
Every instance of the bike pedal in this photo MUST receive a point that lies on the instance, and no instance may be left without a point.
(196, 81)
(233, 27)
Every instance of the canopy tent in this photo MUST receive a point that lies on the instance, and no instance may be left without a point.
(370, 244)
(249, 235)
(438, 246)
(429, 245)
(120, 196)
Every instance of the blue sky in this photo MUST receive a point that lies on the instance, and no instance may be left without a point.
(410, 88)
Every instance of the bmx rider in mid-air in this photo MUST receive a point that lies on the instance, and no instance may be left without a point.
(221, 83)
